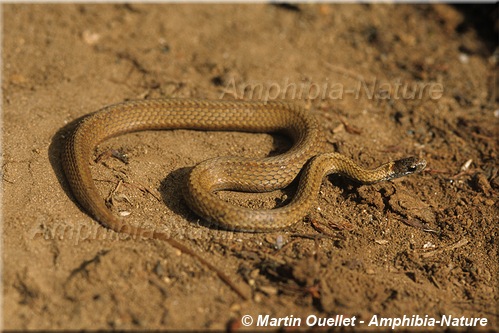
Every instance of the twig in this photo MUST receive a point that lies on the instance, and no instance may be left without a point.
(415, 223)
(141, 187)
(459, 243)
(350, 128)
(190, 252)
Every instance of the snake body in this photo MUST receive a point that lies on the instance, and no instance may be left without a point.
(224, 173)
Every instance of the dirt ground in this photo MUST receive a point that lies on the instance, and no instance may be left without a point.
(422, 245)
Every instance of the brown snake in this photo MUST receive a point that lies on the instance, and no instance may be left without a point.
(224, 173)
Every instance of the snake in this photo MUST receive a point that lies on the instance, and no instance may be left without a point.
(305, 159)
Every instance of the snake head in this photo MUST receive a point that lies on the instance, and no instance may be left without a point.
(406, 166)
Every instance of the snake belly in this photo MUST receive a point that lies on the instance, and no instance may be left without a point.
(224, 173)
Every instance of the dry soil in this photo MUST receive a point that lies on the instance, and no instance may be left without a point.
(385, 81)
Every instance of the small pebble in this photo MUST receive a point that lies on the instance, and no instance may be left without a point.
(428, 245)
(90, 37)
(466, 165)
(269, 290)
(279, 242)
(463, 58)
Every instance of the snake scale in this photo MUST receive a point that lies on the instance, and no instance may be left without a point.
(224, 173)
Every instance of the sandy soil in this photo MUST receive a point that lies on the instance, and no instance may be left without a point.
(421, 245)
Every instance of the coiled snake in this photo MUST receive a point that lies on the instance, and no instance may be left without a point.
(224, 173)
